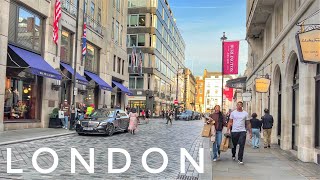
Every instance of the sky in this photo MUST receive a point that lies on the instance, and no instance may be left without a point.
(202, 23)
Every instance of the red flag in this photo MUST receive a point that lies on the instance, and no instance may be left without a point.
(231, 56)
(57, 16)
(228, 92)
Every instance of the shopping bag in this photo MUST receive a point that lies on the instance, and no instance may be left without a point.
(224, 144)
(206, 130)
(230, 143)
(61, 114)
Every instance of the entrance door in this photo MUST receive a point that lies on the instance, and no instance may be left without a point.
(295, 108)
(279, 111)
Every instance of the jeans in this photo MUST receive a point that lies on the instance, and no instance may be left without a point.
(255, 137)
(216, 144)
(238, 138)
(66, 121)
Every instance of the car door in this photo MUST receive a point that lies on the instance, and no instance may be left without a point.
(124, 120)
(117, 121)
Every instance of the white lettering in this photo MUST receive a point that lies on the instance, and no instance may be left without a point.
(9, 169)
(144, 160)
(75, 153)
(35, 163)
(110, 160)
(184, 154)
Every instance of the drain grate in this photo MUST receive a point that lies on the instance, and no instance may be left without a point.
(184, 177)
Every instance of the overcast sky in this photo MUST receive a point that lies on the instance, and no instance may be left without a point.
(202, 24)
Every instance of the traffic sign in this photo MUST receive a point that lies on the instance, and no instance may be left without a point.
(175, 101)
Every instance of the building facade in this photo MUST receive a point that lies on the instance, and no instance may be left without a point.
(200, 94)
(213, 90)
(37, 73)
(190, 90)
(154, 35)
(271, 30)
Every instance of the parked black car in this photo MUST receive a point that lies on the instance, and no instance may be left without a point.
(104, 121)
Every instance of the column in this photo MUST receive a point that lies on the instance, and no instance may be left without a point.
(4, 19)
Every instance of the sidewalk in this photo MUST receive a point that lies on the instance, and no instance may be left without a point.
(264, 164)
(16, 136)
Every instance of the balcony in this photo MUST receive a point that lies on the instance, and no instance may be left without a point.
(258, 14)
(94, 25)
(69, 7)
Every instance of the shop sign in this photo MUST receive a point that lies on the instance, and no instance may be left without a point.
(262, 85)
(139, 92)
(246, 97)
(309, 46)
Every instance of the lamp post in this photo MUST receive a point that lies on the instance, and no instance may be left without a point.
(223, 38)
(147, 98)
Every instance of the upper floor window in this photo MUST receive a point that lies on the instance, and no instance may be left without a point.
(91, 58)
(117, 38)
(25, 28)
(136, 20)
(66, 46)
(279, 19)
(137, 3)
(99, 16)
(118, 4)
(136, 40)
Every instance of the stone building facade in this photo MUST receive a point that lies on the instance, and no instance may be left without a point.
(294, 91)
(35, 86)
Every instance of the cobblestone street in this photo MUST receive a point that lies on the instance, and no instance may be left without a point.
(155, 134)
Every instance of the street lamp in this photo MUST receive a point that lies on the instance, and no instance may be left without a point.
(147, 98)
(223, 38)
(176, 114)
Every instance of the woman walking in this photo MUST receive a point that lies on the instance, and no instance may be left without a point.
(148, 114)
(134, 117)
(256, 129)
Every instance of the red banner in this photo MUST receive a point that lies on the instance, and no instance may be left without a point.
(228, 92)
(231, 56)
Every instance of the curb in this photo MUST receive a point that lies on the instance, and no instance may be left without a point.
(36, 138)
(208, 167)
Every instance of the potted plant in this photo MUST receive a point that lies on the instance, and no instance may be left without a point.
(54, 121)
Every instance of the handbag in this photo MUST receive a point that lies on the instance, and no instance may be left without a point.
(206, 130)
(61, 114)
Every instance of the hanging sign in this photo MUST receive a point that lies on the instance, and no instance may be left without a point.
(246, 97)
(262, 85)
(309, 46)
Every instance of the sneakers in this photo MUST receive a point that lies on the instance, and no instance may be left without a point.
(214, 160)
(234, 158)
(240, 162)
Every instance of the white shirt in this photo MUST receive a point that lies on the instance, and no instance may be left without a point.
(239, 121)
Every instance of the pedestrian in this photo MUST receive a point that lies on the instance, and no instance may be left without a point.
(65, 107)
(217, 116)
(169, 117)
(148, 115)
(267, 123)
(143, 114)
(134, 118)
(256, 129)
(238, 120)
(163, 113)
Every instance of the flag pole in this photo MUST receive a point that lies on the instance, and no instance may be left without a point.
(223, 38)
(75, 65)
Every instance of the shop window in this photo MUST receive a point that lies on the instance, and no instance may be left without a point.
(21, 96)
(141, 40)
(25, 28)
(66, 47)
(91, 58)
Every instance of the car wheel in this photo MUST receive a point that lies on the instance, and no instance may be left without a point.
(110, 130)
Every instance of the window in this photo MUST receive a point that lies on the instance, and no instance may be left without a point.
(91, 58)
(118, 4)
(114, 63)
(137, 3)
(112, 29)
(136, 82)
(136, 40)
(21, 97)
(99, 16)
(85, 6)
(66, 47)
(121, 35)
(119, 65)
(25, 28)
(92, 13)
(136, 20)
(279, 19)
(117, 38)
(122, 67)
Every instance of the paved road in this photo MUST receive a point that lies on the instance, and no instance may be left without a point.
(155, 134)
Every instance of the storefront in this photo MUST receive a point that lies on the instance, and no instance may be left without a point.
(23, 87)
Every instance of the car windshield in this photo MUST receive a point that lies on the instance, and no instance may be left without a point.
(102, 114)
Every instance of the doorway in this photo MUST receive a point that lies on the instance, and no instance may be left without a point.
(279, 109)
(295, 107)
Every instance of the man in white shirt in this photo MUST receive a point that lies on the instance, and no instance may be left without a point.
(238, 120)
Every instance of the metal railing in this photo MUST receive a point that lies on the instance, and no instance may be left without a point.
(69, 7)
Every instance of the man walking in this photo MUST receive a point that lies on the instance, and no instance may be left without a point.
(267, 123)
(238, 120)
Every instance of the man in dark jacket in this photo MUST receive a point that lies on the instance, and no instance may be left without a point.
(267, 123)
